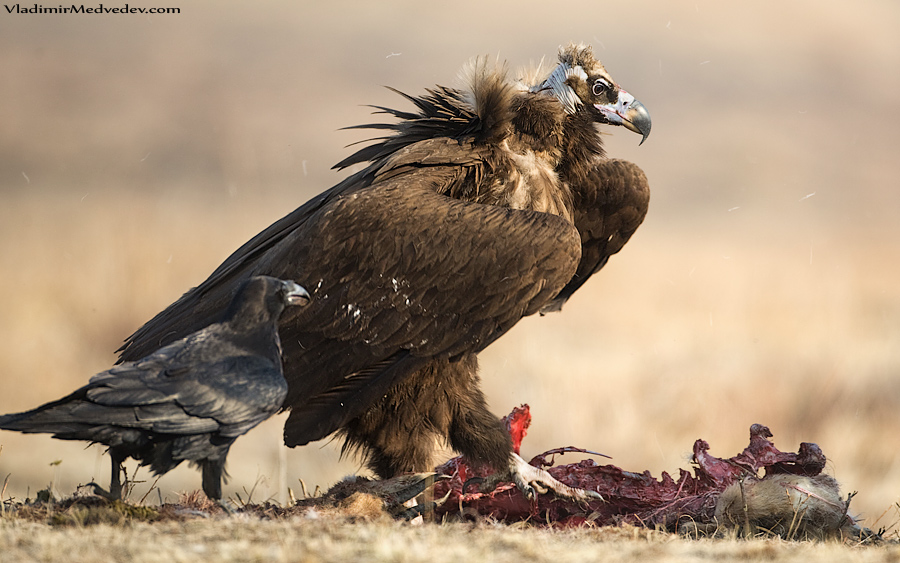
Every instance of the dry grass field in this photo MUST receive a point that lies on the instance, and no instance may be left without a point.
(136, 152)
(318, 541)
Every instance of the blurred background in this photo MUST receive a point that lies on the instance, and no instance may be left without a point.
(137, 152)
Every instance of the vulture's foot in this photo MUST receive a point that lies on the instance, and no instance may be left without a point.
(403, 496)
(399, 495)
(413, 508)
(533, 480)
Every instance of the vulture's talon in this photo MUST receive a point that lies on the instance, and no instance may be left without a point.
(480, 481)
(400, 495)
(529, 493)
(420, 509)
(408, 487)
(530, 479)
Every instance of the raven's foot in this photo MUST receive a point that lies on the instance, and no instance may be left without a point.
(112, 494)
(226, 505)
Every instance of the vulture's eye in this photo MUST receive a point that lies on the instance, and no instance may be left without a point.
(601, 87)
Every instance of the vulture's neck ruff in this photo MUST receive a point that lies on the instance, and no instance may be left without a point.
(521, 135)
(529, 138)
(556, 83)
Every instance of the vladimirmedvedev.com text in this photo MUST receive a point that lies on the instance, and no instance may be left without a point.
(82, 9)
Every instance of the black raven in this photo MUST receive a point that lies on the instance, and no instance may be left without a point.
(486, 204)
(187, 401)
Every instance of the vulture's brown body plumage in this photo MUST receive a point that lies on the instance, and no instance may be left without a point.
(483, 206)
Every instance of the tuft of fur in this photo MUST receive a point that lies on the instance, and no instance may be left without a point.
(790, 506)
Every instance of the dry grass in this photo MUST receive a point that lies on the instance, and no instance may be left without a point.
(316, 537)
(136, 154)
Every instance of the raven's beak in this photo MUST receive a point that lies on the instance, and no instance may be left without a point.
(295, 294)
(627, 112)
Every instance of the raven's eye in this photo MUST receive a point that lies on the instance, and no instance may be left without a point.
(600, 87)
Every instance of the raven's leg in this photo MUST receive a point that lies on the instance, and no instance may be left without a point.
(212, 470)
(115, 484)
(212, 477)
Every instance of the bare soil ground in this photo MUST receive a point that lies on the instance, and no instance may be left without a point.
(136, 152)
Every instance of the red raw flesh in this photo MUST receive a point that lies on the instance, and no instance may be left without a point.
(635, 498)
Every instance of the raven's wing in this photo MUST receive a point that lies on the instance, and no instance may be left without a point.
(609, 205)
(167, 393)
(399, 275)
(175, 392)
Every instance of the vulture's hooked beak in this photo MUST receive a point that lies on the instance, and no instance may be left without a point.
(295, 294)
(628, 112)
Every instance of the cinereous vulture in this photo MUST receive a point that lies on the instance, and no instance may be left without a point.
(483, 205)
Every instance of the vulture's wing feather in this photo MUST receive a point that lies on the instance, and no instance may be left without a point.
(206, 304)
(609, 205)
(405, 274)
(398, 274)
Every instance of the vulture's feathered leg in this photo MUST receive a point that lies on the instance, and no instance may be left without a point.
(482, 437)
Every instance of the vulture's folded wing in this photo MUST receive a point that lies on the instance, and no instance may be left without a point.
(398, 274)
(609, 205)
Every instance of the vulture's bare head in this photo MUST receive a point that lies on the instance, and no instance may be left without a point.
(582, 84)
